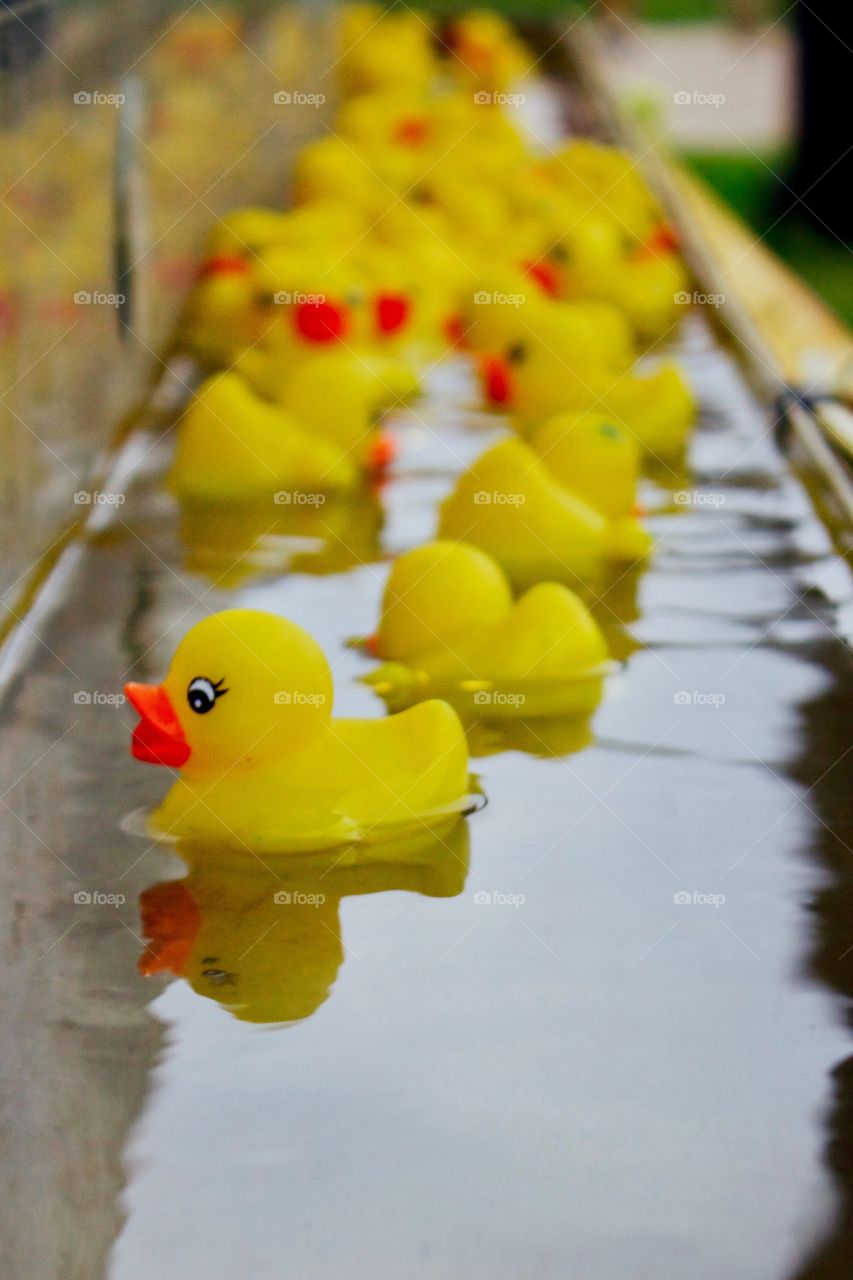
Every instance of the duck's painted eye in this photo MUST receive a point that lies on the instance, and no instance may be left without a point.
(516, 353)
(220, 977)
(202, 694)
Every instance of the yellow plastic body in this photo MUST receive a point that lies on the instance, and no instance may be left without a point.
(233, 445)
(450, 627)
(270, 769)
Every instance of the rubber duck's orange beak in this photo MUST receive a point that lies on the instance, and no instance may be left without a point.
(382, 453)
(392, 312)
(496, 380)
(661, 240)
(412, 132)
(223, 265)
(546, 275)
(454, 330)
(320, 321)
(170, 923)
(158, 738)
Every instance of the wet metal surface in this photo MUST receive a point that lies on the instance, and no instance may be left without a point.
(605, 1040)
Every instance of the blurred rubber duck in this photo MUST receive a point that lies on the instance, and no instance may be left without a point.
(540, 377)
(602, 174)
(246, 232)
(330, 169)
(381, 49)
(449, 628)
(344, 396)
(219, 315)
(594, 457)
(503, 315)
(245, 713)
(510, 506)
(231, 444)
(338, 396)
(268, 949)
(485, 50)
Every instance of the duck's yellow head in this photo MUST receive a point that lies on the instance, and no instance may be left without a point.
(437, 591)
(594, 456)
(244, 689)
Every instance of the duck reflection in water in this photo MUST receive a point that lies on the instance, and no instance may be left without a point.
(314, 533)
(268, 947)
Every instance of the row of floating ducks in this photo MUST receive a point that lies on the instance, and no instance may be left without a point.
(427, 224)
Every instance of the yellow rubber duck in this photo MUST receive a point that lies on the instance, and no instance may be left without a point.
(505, 315)
(336, 395)
(594, 457)
(449, 628)
(508, 504)
(341, 396)
(232, 445)
(270, 949)
(245, 713)
(485, 50)
(246, 232)
(540, 377)
(393, 50)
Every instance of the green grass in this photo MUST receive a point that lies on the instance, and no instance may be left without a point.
(647, 10)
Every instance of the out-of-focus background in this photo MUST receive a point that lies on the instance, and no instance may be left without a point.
(128, 127)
